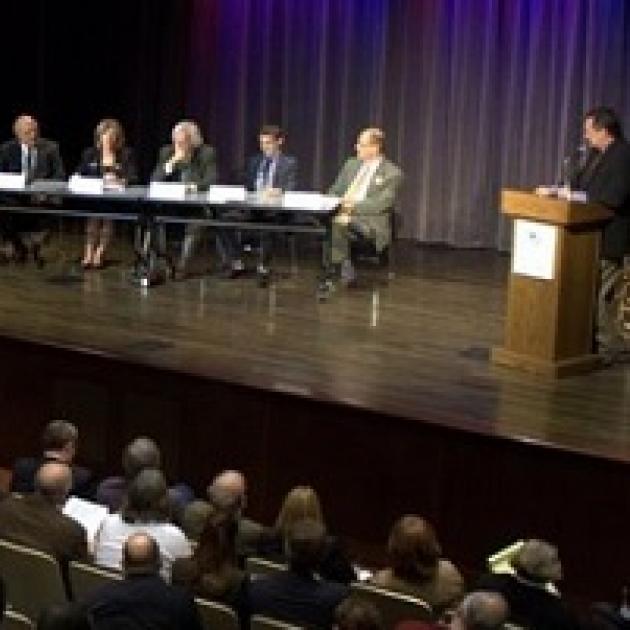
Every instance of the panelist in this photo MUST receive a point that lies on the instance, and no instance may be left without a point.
(37, 158)
(269, 173)
(114, 162)
(187, 160)
(368, 185)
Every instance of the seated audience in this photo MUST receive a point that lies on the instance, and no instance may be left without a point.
(35, 520)
(298, 596)
(212, 571)
(140, 453)
(417, 568)
(142, 601)
(300, 503)
(145, 508)
(59, 443)
(480, 611)
(533, 600)
(112, 161)
(356, 614)
(37, 158)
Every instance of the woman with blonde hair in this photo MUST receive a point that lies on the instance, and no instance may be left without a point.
(302, 503)
(114, 162)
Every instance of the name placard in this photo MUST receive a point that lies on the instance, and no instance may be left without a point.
(227, 194)
(12, 181)
(169, 191)
(85, 185)
(309, 201)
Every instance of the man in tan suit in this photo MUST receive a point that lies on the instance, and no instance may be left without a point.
(368, 185)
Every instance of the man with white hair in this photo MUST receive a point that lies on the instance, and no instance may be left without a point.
(187, 160)
(37, 158)
(480, 610)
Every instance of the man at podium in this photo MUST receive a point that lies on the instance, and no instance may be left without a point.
(605, 176)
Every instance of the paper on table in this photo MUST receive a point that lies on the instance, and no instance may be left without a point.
(86, 185)
(12, 181)
(309, 201)
(87, 513)
(225, 194)
(167, 190)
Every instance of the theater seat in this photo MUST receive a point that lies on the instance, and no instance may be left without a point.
(16, 621)
(258, 622)
(32, 578)
(259, 566)
(215, 616)
(394, 607)
(86, 578)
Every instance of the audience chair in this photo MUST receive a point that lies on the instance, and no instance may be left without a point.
(16, 621)
(257, 567)
(32, 578)
(86, 578)
(259, 622)
(215, 616)
(394, 607)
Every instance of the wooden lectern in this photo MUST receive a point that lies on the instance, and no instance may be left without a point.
(552, 284)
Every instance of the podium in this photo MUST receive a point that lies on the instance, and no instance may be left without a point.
(552, 284)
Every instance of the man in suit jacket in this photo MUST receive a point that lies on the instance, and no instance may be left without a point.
(368, 186)
(187, 160)
(36, 520)
(605, 176)
(268, 173)
(298, 596)
(142, 601)
(59, 440)
(37, 158)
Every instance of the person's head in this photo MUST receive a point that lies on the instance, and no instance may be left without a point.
(64, 617)
(480, 610)
(217, 542)
(413, 549)
(357, 614)
(109, 135)
(147, 500)
(538, 561)
(271, 138)
(26, 129)
(370, 143)
(601, 127)
(141, 555)
(139, 454)
(53, 481)
(300, 503)
(186, 136)
(305, 543)
(194, 518)
(61, 438)
(229, 484)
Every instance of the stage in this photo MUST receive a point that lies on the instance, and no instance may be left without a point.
(383, 398)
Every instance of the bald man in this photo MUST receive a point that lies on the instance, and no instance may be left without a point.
(480, 610)
(143, 600)
(368, 186)
(36, 520)
(38, 158)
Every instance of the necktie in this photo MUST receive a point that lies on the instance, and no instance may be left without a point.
(265, 170)
(358, 182)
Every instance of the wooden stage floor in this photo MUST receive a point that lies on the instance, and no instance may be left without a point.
(417, 348)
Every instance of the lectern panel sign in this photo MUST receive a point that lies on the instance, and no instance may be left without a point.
(534, 252)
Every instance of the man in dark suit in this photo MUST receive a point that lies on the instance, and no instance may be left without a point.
(605, 176)
(298, 596)
(36, 520)
(187, 160)
(37, 158)
(142, 601)
(268, 173)
(368, 186)
(59, 441)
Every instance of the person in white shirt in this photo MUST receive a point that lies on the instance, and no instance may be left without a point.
(145, 509)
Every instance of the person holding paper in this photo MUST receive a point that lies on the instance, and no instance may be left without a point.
(269, 173)
(113, 162)
(368, 185)
(188, 161)
(605, 176)
(37, 158)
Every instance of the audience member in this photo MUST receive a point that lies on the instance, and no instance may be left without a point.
(481, 611)
(356, 614)
(212, 571)
(301, 503)
(36, 520)
(297, 595)
(142, 601)
(530, 592)
(417, 568)
(145, 508)
(60, 441)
